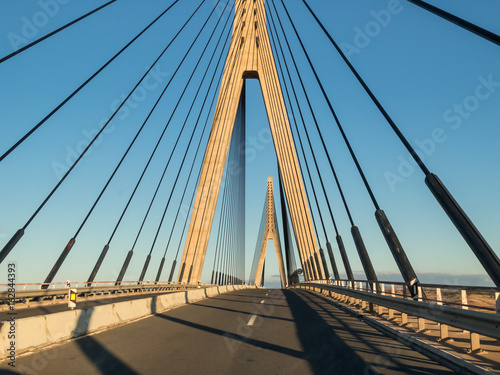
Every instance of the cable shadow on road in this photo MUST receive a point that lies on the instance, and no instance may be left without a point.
(250, 302)
(233, 336)
(250, 313)
(8, 372)
(102, 358)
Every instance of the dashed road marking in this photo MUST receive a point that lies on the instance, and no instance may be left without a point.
(252, 320)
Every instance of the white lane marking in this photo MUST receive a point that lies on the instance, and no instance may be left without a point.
(262, 301)
(252, 320)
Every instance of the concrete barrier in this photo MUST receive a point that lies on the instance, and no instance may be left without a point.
(39, 331)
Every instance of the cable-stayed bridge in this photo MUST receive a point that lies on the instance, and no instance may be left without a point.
(195, 105)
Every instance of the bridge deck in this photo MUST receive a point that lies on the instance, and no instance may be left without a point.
(245, 332)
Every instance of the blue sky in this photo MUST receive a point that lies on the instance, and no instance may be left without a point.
(420, 67)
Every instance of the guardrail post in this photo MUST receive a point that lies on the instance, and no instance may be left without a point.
(420, 321)
(475, 342)
(375, 308)
(393, 295)
(497, 299)
(391, 314)
(421, 324)
(439, 297)
(404, 319)
(382, 292)
(443, 332)
(370, 305)
(464, 299)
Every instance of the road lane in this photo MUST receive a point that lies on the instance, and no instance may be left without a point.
(291, 332)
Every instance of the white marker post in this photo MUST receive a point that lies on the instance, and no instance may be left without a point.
(72, 299)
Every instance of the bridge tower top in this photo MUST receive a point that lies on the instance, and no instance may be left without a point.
(249, 31)
(270, 214)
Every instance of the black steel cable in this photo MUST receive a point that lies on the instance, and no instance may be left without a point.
(11, 244)
(229, 230)
(227, 218)
(344, 136)
(124, 267)
(475, 29)
(29, 133)
(156, 146)
(54, 32)
(367, 89)
(188, 114)
(291, 264)
(228, 87)
(229, 71)
(204, 128)
(67, 249)
(151, 112)
(299, 198)
(472, 236)
(217, 246)
(157, 102)
(298, 134)
(201, 168)
(294, 199)
(224, 222)
(348, 211)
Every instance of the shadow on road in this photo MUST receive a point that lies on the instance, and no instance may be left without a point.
(324, 350)
(102, 358)
(232, 336)
(329, 343)
(250, 313)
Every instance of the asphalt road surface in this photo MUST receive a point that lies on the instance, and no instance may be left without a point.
(245, 332)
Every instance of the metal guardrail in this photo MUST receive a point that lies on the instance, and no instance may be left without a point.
(400, 289)
(474, 321)
(432, 286)
(61, 289)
